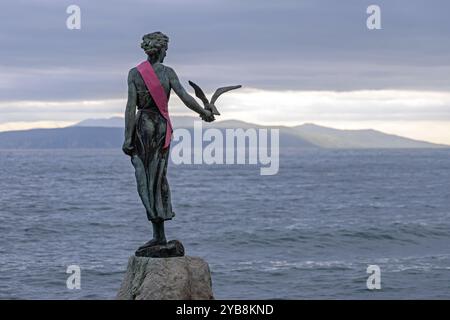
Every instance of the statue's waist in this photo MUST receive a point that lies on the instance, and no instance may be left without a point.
(152, 113)
(149, 109)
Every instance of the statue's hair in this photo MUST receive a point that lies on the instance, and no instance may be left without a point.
(152, 43)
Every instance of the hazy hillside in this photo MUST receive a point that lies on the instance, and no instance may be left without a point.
(353, 139)
(108, 133)
(59, 138)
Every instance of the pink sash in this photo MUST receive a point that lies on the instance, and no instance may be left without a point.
(158, 94)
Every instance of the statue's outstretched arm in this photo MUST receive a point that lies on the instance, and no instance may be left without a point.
(130, 115)
(187, 99)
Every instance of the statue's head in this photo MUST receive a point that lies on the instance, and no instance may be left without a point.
(155, 45)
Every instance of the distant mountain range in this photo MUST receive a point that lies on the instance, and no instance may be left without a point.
(108, 133)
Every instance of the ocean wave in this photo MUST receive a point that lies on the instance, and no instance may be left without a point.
(394, 232)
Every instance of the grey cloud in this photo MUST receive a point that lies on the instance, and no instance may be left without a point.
(300, 45)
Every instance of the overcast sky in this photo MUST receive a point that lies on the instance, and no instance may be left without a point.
(299, 61)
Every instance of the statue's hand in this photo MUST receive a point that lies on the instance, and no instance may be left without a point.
(207, 116)
(128, 148)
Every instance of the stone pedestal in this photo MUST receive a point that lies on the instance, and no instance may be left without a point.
(173, 248)
(178, 278)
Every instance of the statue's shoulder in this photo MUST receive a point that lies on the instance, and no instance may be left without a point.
(168, 70)
(133, 74)
(133, 71)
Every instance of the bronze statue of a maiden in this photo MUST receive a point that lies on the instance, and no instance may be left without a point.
(148, 131)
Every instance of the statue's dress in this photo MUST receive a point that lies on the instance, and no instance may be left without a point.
(150, 159)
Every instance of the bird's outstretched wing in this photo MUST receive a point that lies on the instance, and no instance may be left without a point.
(222, 90)
(199, 93)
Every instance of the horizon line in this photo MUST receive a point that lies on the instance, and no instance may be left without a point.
(75, 124)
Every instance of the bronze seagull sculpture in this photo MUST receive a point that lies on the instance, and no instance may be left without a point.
(210, 105)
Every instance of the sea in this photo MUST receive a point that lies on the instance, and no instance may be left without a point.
(313, 231)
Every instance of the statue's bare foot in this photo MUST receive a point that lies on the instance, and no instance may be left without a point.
(153, 242)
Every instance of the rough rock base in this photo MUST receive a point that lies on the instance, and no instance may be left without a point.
(173, 248)
(180, 278)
